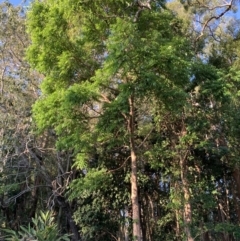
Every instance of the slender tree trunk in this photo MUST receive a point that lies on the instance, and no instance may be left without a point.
(134, 198)
(177, 223)
(226, 198)
(134, 185)
(187, 210)
(177, 211)
(150, 216)
(123, 230)
(236, 192)
(126, 234)
(69, 215)
(35, 195)
(143, 219)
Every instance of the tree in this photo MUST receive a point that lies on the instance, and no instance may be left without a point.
(18, 92)
(93, 102)
(30, 168)
(152, 127)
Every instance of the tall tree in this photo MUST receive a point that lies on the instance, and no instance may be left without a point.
(102, 61)
(19, 90)
(30, 168)
(152, 127)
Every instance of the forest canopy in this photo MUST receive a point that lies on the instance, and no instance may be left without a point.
(120, 120)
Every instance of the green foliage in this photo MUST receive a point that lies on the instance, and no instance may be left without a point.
(93, 181)
(229, 228)
(43, 227)
(104, 60)
(95, 221)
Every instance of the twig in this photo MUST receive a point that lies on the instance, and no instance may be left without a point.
(113, 170)
(146, 137)
(2, 83)
(229, 6)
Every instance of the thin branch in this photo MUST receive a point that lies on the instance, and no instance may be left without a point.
(212, 35)
(13, 198)
(145, 138)
(215, 7)
(111, 88)
(229, 6)
(141, 6)
(105, 98)
(61, 188)
(111, 235)
(2, 83)
(123, 164)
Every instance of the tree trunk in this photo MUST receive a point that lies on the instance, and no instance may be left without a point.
(134, 185)
(35, 195)
(236, 190)
(134, 198)
(187, 209)
(69, 215)
(123, 234)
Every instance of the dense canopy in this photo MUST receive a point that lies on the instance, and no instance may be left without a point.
(120, 120)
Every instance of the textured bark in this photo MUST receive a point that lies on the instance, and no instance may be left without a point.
(69, 215)
(35, 195)
(236, 192)
(123, 234)
(187, 210)
(134, 198)
(177, 223)
(134, 185)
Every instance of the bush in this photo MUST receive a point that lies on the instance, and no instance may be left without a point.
(43, 228)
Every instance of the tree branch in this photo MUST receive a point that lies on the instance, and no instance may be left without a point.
(216, 17)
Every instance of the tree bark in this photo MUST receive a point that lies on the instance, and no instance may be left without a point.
(134, 185)
(69, 215)
(35, 195)
(236, 191)
(187, 209)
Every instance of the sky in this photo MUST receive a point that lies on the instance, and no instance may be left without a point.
(16, 2)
